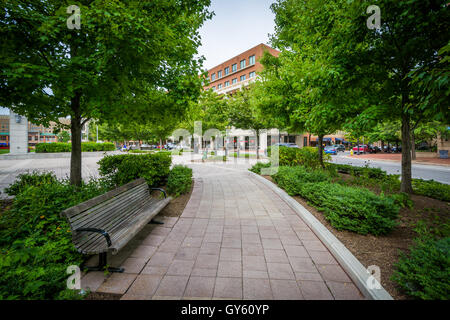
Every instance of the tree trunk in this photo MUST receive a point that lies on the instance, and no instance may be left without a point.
(406, 184)
(357, 146)
(257, 144)
(413, 146)
(309, 140)
(382, 146)
(75, 129)
(320, 150)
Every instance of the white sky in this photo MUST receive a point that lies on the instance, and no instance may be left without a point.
(237, 26)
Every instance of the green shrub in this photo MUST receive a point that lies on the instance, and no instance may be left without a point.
(118, 170)
(354, 209)
(25, 180)
(375, 173)
(256, 168)
(423, 273)
(291, 178)
(179, 180)
(306, 156)
(35, 242)
(432, 189)
(67, 147)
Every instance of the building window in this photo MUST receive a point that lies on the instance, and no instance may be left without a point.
(219, 86)
(227, 70)
(234, 81)
(243, 77)
(243, 64)
(214, 88)
(251, 60)
(252, 74)
(213, 77)
(227, 83)
(219, 74)
(234, 67)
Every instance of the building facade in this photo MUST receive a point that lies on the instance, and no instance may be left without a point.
(239, 72)
(36, 133)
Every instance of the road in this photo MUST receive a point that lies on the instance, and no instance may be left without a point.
(420, 171)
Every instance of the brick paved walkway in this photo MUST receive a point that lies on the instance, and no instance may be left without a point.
(236, 239)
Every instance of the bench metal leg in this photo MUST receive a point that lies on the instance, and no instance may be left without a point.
(102, 265)
(153, 221)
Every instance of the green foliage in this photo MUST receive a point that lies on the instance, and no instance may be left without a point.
(355, 209)
(67, 147)
(347, 208)
(291, 178)
(306, 156)
(423, 273)
(179, 180)
(376, 173)
(25, 180)
(432, 189)
(64, 136)
(256, 168)
(35, 242)
(118, 170)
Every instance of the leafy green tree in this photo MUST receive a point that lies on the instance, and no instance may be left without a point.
(244, 112)
(63, 136)
(125, 56)
(369, 70)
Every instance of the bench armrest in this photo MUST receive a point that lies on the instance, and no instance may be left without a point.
(162, 190)
(102, 232)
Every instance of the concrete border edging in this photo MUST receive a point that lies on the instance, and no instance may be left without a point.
(348, 261)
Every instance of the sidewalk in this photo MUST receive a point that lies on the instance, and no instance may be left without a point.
(236, 239)
(397, 157)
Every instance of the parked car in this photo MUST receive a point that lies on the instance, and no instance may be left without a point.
(374, 149)
(362, 148)
(395, 149)
(339, 147)
(289, 145)
(330, 150)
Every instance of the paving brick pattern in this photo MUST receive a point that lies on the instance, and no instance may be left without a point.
(236, 239)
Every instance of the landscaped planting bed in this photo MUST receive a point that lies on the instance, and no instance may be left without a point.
(35, 242)
(409, 238)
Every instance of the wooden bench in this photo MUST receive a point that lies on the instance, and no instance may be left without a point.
(108, 222)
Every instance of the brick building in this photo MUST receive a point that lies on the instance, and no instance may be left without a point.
(238, 72)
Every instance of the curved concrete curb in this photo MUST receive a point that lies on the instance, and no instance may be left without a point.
(356, 271)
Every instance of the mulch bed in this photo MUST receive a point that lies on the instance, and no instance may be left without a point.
(176, 206)
(383, 251)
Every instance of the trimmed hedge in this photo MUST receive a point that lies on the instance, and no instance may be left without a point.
(306, 156)
(118, 170)
(179, 180)
(67, 147)
(346, 208)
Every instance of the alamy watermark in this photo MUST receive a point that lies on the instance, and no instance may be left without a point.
(374, 21)
(374, 279)
(74, 21)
